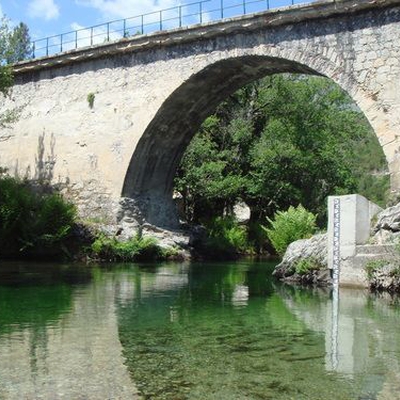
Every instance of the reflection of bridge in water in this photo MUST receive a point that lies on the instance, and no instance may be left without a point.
(359, 341)
(79, 355)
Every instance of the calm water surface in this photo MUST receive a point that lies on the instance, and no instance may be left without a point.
(190, 331)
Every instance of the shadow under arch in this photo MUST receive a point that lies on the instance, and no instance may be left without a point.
(150, 175)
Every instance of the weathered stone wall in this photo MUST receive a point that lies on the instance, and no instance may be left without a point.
(151, 93)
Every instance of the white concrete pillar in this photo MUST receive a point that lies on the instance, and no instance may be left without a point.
(349, 224)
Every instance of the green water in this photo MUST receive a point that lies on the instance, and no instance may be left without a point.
(190, 331)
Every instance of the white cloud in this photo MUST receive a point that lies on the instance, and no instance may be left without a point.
(87, 37)
(46, 9)
(126, 8)
(1, 11)
(119, 9)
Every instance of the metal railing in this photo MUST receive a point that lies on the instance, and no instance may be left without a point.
(183, 15)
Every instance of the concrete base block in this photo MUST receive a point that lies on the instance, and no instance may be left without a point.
(349, 226)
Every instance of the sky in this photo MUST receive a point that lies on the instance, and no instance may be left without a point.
(53, 17)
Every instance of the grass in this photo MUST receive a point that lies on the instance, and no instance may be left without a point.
(137, 248)
(307, 265)
(374, 265)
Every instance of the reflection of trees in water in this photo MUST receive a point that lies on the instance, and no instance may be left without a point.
(195, 341)
(33, 295)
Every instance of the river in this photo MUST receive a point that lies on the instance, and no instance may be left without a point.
(190, 331)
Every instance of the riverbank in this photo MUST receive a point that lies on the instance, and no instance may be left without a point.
(306, 261)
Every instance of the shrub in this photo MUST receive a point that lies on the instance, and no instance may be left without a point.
(226, 238)
(289, 226)
(306, 265)
(138, 248)
(227, 229)
(374, 265)
(90, 99)
(29, 219)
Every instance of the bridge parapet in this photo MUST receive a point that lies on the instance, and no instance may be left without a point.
(247, 23)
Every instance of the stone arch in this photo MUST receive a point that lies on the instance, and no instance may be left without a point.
(149, 178)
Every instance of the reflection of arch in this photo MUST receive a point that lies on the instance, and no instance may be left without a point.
(149, 179)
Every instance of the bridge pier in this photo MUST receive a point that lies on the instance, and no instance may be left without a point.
(159, 211)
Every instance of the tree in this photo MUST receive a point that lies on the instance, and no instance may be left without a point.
(278, 142)
(5, 70)
(14, 46)
(19, 44)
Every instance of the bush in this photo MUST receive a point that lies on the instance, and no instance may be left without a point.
(138, 248)
(373, 266)
(289, 226)
(306, 265)
(29, 219)
(227, 229)
(226, 239)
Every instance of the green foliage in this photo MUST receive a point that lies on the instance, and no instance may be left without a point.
(306, 265)
(226, 239)
(138, 248)
(229, 229)
(374, 265)
(18, 44)
(29, 219)
(171, 253)
(289, 226)
(395, 272)
(278, 142)
(374, 187)
(90, 99)
(6, 78)
(14, 46)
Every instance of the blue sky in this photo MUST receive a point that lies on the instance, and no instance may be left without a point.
(51, 17)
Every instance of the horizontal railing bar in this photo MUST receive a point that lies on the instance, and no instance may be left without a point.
(159, 21)
(126, 19)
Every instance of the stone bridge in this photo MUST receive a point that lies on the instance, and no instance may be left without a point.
(108, 124)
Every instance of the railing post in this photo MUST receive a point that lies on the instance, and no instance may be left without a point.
(181, 17)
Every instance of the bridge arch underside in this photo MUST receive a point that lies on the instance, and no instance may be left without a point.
(149, 179)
